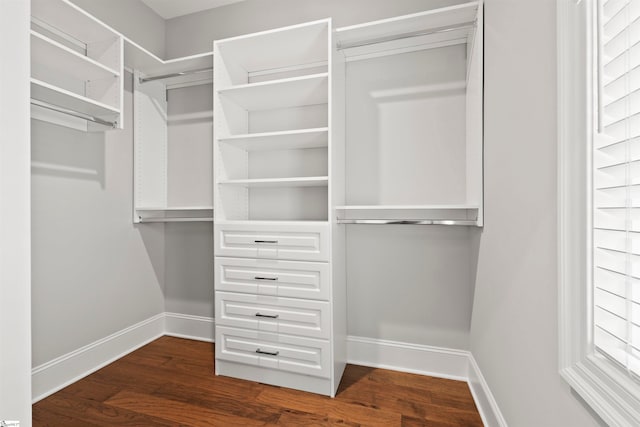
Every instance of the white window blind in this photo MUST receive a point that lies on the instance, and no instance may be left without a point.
(616, 185)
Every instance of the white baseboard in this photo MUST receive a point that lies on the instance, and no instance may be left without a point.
(427, 360)
(405, 357)
(58, 373)
(485, 402)
(192, 327)
(398, 356)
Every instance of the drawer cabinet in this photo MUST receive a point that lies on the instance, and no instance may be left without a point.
(304, 242)
(273, 314)
(273, 351)
(293, 279)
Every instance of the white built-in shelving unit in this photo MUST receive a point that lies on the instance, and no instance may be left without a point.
(173, 125)
(76, 68)
(280, 312)
(414, 93)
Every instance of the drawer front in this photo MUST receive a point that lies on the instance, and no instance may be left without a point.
(305, 242)
(268, 350)
(293, 279)
(273, 314)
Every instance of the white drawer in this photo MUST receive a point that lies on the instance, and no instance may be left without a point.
(305, 242)
(294, 279)
(268, 350)
(273, 314)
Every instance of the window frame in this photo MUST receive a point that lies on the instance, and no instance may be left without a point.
(609, 391)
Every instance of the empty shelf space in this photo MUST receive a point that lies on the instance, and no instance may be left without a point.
(432, 26)
(311, 181)
(71, 19)
(296, 45)
(285, 140)
(52, 54)
(48, 93)
(419, 214)
(284, 93)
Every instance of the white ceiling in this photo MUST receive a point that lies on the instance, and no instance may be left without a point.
(171, 8)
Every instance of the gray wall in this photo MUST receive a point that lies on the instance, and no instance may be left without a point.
(132, 18)
(94, 272)
(514, 331)
(190, 34)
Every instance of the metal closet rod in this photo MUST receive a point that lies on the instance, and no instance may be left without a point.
(178, 74)
(407, 222)
(462, 26)
(73, 113)
(175, 219)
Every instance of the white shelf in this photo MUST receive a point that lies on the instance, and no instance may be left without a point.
(433, 26)
(459, 214)
(311, 181)
(296, 45)
(284, 93)
(72, 20)
(55, 55)
(285, 140)
(63, 98)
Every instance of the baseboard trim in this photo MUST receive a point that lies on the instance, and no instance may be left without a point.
(485, 402)
(198, 328)
(62, 371)
(405, 357)
(58, 373)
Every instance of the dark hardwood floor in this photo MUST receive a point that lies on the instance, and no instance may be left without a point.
(170, 382)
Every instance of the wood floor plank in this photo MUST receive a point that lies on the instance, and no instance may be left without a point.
(171, 382)
(178, 412)
(327, 407)
(409, 401)
(95, 413)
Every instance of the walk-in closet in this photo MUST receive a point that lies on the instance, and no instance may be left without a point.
(302, 188)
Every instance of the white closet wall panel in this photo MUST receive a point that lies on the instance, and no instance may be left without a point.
(189, 156)
(406, 128)
(150, 133)
(475, 117)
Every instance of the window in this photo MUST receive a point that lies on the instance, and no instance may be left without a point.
(616, 184)
(599, 204)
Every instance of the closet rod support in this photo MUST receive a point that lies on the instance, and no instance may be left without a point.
(73, 113)
(408, 221)
(462, 26)
(178, 74)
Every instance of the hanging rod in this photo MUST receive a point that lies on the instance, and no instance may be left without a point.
(176, 219)
(462, 26)
(73, 113)
(178, 74)
(408, 221)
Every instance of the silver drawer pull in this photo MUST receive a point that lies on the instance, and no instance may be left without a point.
(265, 241)
(268, 353)
(268, 316)
(264, 278)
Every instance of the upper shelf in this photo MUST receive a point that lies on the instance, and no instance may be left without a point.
(443, 25)
(55, 55)
(284, 93)
(75, 22)
(296, 45)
